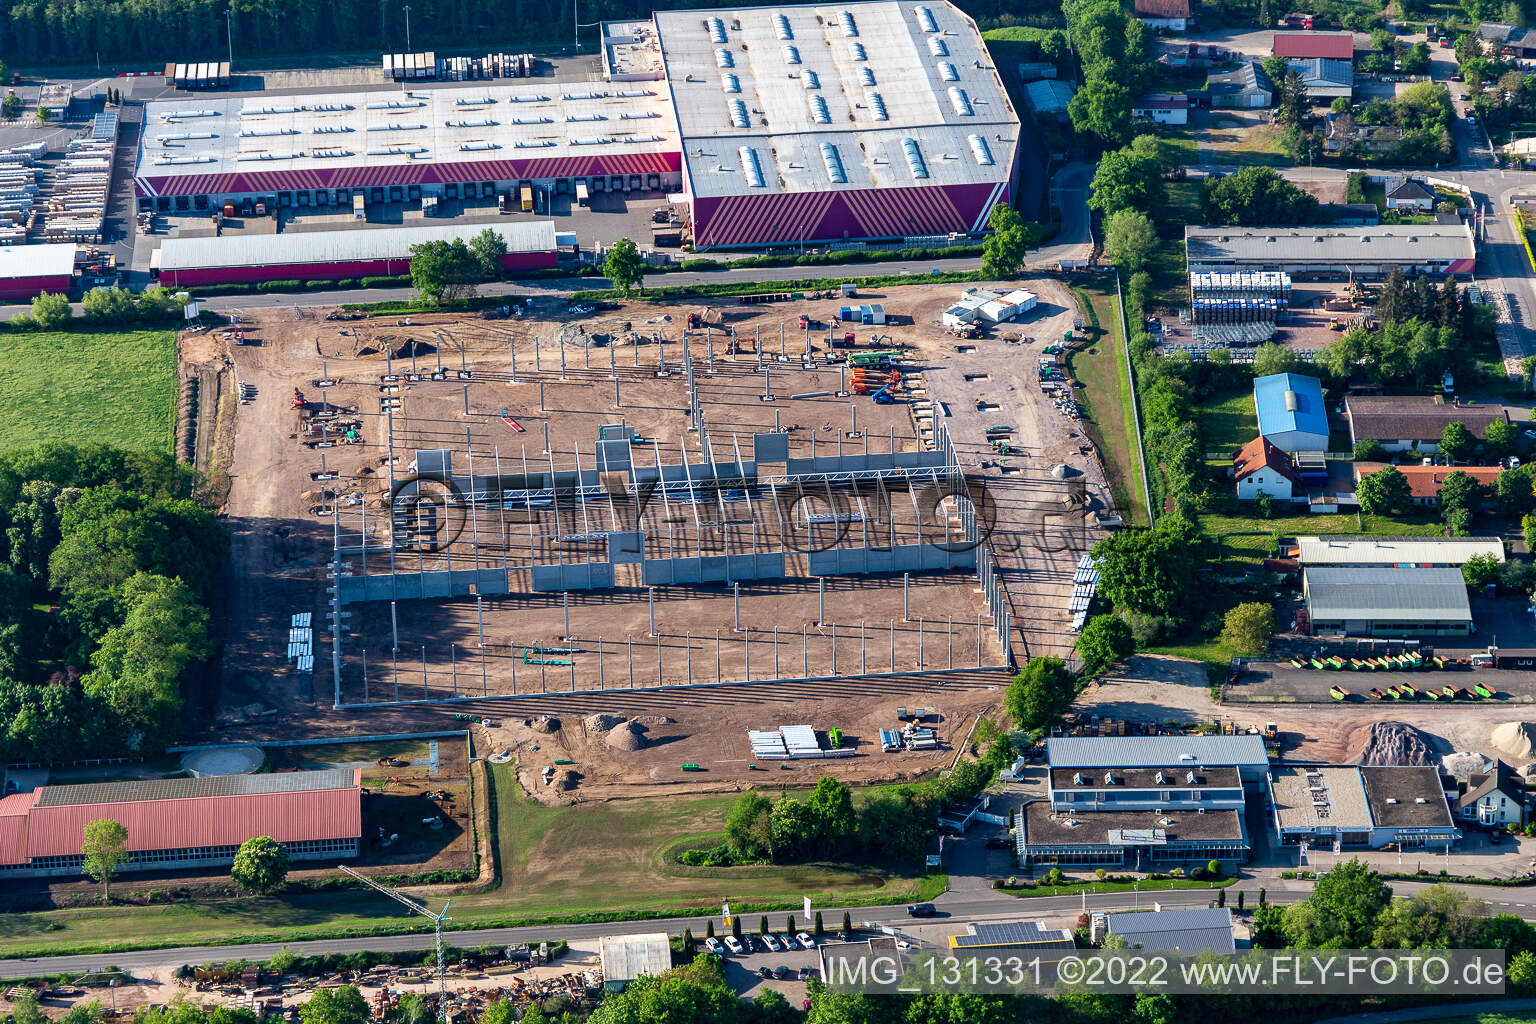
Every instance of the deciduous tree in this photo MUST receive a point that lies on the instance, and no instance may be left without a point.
(1384, 492)
(623, 266)
(1248, 627)
(261, 865)
(1039, 693)
(1130, 239)
(1105, 640)
(103, 847)
(50, 310)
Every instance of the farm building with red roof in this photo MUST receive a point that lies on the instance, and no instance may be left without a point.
(1315, 45)
(184, 823)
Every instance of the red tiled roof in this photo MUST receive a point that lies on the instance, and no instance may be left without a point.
(1259, 454)
(1328, 45)
(31, 829)
(1425, 481)
(1163, 8)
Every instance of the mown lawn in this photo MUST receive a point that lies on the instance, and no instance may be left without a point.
(609, 860)
(1106, 399)
(1250, 539)
(1227, 425)
(110, 387)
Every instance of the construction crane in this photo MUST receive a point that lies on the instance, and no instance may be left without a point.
(437, 922)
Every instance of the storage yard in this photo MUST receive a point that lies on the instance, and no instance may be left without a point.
(562, 589)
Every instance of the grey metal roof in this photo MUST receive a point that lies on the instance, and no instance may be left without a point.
(1387, 593)
(342, 245)
(1387, 551)
(1183, 931)
(1406, 244)
(1248, 76)
(211, 785)
(627, 957)
(1154, 751)
(1324, 71)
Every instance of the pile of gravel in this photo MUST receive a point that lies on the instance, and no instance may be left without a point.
(1391, 743)
(601, 722)
(625, 736)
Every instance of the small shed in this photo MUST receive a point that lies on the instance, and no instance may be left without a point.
(627, 957)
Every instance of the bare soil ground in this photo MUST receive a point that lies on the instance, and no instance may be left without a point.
(282, 536)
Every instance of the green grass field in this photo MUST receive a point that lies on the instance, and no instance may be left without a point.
(1106, 399)
(1491, 1018)
(1250, 539)
(556, 863)
(1227, 425)
(112, 387)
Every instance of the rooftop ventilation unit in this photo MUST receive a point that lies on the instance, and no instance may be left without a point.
(267, 156)
(781, 26)
(811, 79)
(261, 133)
(724, 59)
(331, 108)
(751, 169)
(591, 140)
(849, 26)
(866, 76)
(834, 162)
(960, 101)
(527, 99)
(478, 145)
(716, 29)
(730, 83)
(915, 160)
(258, 111)
(938, 47)
(327, 154)
(791, 54)
(635, 116)
(533, 144)
(334, 129)
(165, 160)
(981, 151)
(948, 71)
(485, 123)
(857, 51)
(177, 115)
(179, 136)
(584, 117)
(819, 112)
(925, 19)
(630, 94)
(1291, 401)
(583, 95)
(877, 106)
(397, 104)
(739, 117)
(474, 101)
(533, 120)
(395, 126)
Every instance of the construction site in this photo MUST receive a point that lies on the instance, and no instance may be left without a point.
(550, 504)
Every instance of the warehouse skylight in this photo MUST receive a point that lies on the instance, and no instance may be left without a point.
(834, 162)
(914, 158)
(751, 168)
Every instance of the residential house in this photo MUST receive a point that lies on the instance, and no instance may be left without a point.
(1164, 108)
(1401, 423)
(1493, 798)
(1261, 468)
(1502, 40)
(1424, 482)
(1411, 196)
(1247, 87)
(1169, 14)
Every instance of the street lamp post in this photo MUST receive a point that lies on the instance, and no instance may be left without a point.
(229, 34)
(407, 28)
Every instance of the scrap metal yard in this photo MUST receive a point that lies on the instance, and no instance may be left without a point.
(519, 511)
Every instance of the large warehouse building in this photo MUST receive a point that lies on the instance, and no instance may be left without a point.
(28, 270)
(780, 126)
(184, 823)
(1354, 252)
(335, 255)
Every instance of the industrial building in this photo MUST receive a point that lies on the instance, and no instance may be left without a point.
(1246, 87)
(184, 823)
(1401, 423)
(1291, 413)
(1342, 252)
(334, 255)
(29, 270)
(1245, 753)
(627, 957)
(780, 126)
(325, 149)
(831, 123)
(1142, 840)
(992, 938)
(1423, 552)
(1185, 931)
(1388, 602)
(1361, 806)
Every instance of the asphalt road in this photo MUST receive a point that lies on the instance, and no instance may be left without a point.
(965, 904)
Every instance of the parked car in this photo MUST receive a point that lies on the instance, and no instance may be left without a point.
(713, 945)
(806, 942)
(787, 941)
(733, 944)
(781, 971)
(763, 972)
(999, 843)
(921, 910)
(746, 944)
(1496, 836)
(806, 972)
(771, 942)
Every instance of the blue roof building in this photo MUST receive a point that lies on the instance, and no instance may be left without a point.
(1291, 412)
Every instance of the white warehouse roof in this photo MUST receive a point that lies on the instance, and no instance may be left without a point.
(1396, 550)
(1407, 244)
(52, 260)
(1154, 751)
(835, 97)
(627, 957)
(298, 247)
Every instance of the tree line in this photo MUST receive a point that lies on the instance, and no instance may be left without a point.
(157, 31)
(107, 558)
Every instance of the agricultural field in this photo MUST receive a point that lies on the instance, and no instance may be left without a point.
(108, 387)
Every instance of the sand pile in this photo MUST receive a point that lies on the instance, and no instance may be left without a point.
(545, 724)
(601, 722)
(1464, 763)
(1517, 739)
(625, 736)
(1390, 743)
(565, 779)
(652, 720)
